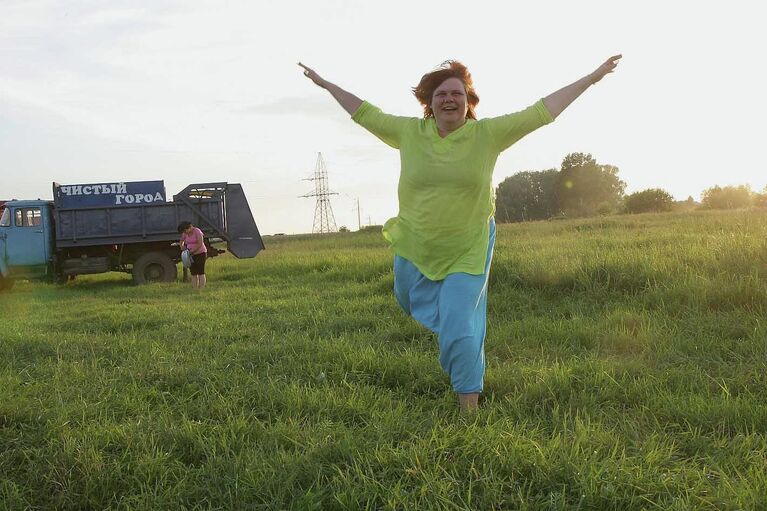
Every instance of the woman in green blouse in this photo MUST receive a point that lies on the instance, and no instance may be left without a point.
(444, 233)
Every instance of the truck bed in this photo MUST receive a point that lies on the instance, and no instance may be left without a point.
(221, 210)
(130, 224)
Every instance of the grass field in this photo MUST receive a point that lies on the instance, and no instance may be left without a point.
(627, 369)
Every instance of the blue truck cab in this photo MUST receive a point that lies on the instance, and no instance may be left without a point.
(27, 238)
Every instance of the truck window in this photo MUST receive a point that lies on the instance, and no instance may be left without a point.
(28, 217)
(34, 217)
(5, 220)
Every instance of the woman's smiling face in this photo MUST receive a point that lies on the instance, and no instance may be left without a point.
(449, 103)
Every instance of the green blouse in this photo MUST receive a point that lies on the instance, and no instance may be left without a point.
(446, 196)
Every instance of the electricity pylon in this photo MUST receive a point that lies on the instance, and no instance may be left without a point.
(324, 221)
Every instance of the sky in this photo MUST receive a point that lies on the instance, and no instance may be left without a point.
(194, 91)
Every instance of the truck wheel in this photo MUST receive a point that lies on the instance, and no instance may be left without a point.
(62, 279)
(154, 267)
(5, 284)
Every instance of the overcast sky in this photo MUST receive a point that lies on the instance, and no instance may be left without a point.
(193, 91)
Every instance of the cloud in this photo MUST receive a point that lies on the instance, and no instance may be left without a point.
(313, 106)
(112, 16)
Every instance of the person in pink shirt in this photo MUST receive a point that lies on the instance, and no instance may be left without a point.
(192, 239)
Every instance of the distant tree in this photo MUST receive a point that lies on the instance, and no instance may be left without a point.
(652, 200)
(760, 199)
(343, 228)
(585, 187)
(728, 197)
(526, 196)
(685, 205)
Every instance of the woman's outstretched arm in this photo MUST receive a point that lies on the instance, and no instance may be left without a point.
(557, 101)
(347, 100)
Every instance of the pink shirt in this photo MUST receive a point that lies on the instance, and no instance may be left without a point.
(194, 241)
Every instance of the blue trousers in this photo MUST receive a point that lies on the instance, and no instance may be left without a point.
(454, 308)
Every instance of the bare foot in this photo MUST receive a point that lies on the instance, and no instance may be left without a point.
(469, 402)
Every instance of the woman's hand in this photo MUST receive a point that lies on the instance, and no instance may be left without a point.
(313, 76)
(608, 67)
(347, 100)
(557, 101)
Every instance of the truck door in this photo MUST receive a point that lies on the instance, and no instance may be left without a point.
(26, 247)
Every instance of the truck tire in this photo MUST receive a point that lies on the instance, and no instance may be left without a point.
(154, 267)
(61, 279)
(5, 283)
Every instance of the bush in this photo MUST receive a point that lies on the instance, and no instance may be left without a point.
(605, 208)
(729, 197)
(652, 200)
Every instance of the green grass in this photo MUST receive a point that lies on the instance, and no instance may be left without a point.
(627, 369)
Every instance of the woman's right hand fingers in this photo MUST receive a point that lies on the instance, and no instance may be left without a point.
(308, 72)
(311, 74)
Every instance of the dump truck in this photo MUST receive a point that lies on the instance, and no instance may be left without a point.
(134, 233)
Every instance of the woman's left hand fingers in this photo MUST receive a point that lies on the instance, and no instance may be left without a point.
(608, 66)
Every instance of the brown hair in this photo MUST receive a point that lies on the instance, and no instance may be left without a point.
(424, 91)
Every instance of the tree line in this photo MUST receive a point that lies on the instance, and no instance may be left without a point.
(583, 187)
